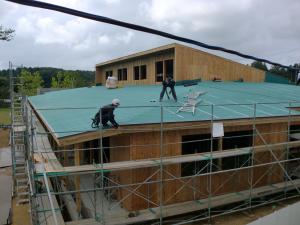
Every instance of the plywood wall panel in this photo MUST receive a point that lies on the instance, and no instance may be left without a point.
(195, 64)
(130, 64)
(271, 133)
(147, 145)
(120, 151)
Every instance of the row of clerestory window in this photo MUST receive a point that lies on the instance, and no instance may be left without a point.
(139, 73)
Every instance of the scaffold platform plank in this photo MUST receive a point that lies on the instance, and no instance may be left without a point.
(58, 170)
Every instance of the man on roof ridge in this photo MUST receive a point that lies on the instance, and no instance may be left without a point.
(168, 82)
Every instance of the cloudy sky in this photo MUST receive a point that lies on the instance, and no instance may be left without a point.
(264, 28)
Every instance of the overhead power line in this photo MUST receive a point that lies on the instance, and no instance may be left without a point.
(103, 19)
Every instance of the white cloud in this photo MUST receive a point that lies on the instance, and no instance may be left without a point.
(49, 32)
(67, 3)
(112, 1)
(83, 45)
(177, 9)
(126, 38)
(25, 27)
(46, 38)
(104, 39)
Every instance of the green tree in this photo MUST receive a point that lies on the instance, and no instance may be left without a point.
(279, 70)
(4, 91)
(6, 34)
(259, 65)
(30, 82)
(4, 88)
(56, 81)
(67, 79)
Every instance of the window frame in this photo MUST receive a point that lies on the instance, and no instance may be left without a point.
(122, 74)
(136, 73)
(193, 168)
(108, 73)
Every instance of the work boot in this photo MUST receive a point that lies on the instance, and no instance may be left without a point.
(105, 125)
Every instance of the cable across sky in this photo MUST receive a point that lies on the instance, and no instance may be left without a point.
(144, 29)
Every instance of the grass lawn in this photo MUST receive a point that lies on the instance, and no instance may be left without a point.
(4, 116)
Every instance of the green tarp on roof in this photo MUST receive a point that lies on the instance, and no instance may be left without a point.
(69, 112)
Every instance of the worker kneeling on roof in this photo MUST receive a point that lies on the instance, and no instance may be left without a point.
(107, 115)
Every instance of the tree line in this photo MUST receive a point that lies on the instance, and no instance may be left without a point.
(45, 77)
(290, 74)
(48, 77)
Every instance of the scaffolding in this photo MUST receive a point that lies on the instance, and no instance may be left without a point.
(89, 193)
(176, 187)
(18, 138)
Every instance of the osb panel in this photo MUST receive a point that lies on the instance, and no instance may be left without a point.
(147, 145)
(119, 152)
(271, 133)
(149, 61)
(195, 64)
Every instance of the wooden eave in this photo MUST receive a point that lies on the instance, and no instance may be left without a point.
(138, 54)
(129, 129)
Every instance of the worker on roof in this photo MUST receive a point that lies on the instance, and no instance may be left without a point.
(298, 78)
(168, 82)
(107, 115)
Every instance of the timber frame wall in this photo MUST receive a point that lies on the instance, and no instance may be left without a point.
(144, 171)
(188, 64)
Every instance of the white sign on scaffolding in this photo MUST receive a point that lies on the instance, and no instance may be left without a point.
(218, 130)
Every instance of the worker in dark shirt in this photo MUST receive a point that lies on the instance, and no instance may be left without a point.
(168, 82)
(107, 115)
(298, 78)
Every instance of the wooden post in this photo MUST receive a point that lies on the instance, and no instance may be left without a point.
(91, 151)
(220, 148)
(66, 157)
(77, 178)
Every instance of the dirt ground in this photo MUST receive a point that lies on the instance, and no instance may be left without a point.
(4, 137)
(21, 214)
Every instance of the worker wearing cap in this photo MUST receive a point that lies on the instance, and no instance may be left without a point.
(107, 113)
(168, 82)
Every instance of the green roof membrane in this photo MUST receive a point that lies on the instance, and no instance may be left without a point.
(69, 112)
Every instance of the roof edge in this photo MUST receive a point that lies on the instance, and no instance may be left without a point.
(138, 54)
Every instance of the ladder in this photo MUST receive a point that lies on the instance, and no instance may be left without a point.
(18, 140)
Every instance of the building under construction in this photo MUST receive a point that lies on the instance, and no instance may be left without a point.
(230, 143)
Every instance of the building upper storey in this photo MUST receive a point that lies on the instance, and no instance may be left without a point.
(179, 61)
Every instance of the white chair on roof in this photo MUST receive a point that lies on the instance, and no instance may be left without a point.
(192, 102)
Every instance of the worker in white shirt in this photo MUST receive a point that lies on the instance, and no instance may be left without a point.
(298, 78)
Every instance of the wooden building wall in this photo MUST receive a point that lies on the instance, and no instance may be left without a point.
(149, 61)
(189, 64)
(272, 173)
(194, 64)
(147, 145)
(119, 152)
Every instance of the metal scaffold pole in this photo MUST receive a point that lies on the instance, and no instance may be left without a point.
(102, 171)
(161, 167)
(252, 153)
(287, 153)
(210, 162)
